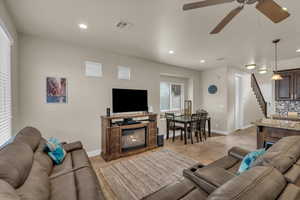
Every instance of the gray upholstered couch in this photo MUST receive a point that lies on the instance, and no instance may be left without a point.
(27, 173)
(275, 176)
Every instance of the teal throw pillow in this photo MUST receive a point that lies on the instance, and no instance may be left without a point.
(55, 151)
(249, 159)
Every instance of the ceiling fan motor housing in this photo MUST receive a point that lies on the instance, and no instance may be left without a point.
(247, 1)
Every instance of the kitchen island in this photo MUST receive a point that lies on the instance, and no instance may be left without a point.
(272, 130)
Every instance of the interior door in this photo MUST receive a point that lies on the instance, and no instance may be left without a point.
(284, 87)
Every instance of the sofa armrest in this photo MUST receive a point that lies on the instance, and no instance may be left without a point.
(238, 152)
(72, 146)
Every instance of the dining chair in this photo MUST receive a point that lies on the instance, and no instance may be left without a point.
(195, 127)
(171, 125)
(202, 127)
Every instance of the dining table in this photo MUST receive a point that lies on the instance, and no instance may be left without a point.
(187, 120)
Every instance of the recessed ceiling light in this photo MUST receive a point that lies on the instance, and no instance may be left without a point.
(284, 8)
(83, 26)
(202, 61)
(251, 66)
(263, 71)
(298, 50)
(171, 52)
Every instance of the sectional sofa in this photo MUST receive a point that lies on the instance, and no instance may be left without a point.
(274, 176)
(27, 173)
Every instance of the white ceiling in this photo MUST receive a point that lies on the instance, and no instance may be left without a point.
(161, 25)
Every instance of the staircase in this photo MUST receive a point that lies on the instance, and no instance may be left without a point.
(260, 98)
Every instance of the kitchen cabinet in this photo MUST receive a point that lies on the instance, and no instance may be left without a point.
(288, 88)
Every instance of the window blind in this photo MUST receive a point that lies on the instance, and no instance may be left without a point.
(5, 87)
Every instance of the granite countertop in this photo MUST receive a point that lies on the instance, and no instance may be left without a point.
(276, 123)
(292, 118)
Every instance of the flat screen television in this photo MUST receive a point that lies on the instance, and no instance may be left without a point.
(128, 100)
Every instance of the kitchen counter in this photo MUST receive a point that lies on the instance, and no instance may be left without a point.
(272, 130)
(277, 123)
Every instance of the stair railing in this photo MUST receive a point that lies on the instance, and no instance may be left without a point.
(259, 94)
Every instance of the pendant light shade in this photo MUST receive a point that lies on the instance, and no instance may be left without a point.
(276, 76)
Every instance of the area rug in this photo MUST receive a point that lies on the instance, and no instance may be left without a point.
(136, 178)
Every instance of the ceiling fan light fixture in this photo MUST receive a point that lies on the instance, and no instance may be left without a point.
(298, 50)
(284, 8)
(251, 66)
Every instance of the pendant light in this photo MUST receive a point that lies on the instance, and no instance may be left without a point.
(276, 76)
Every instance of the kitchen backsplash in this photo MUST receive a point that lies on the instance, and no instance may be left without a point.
(283, 107)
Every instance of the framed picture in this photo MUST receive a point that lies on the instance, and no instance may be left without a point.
(56, 90)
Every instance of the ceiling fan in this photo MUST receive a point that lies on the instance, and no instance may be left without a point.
(267, 7)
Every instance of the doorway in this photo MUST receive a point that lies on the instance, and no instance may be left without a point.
(238, 108)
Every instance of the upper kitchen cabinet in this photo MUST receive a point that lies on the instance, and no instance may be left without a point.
(289, 87)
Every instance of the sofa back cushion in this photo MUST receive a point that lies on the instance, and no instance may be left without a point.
(257, 183)
(40, 156)
(15, 163)
(37, 185)
(7, 192)
(30, 136)
(282, 155)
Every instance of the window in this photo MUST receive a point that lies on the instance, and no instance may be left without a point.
(171, 96)
(5, 87)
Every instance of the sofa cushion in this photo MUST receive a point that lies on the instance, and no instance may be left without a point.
(209, 178)
(282, 155)
(72, 146)
(15, 163)
(293, 174)
(258, 183)
(41, 157)
(174, 191)
(196, 194)
(80, 158)
(7, 192)
(291, 192)
(30, 136)
(87, 187)
(65, 166)
(238, 152)
(226, 162)
(37, 185)
(64, 187)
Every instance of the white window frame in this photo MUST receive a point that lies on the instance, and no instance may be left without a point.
(7, 124)
(170, 92)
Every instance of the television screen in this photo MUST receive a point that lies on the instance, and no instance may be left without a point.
(126, 100)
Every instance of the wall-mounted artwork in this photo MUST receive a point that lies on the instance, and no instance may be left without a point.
(56, 90)
(212, 89)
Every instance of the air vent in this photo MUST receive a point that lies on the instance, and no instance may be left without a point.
(123, 24)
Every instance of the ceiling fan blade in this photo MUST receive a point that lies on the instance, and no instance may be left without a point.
(206, 3)
(272, 10)
(227, 19)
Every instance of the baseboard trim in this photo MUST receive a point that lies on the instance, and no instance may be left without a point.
(220, 132)
(248, 126)
(94, 153)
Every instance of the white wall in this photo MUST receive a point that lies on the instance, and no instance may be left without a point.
(250, 107)
(221, 106)
(88, 98)
(216, 104)
(7, 22)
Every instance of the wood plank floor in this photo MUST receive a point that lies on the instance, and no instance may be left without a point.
(204, 152)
